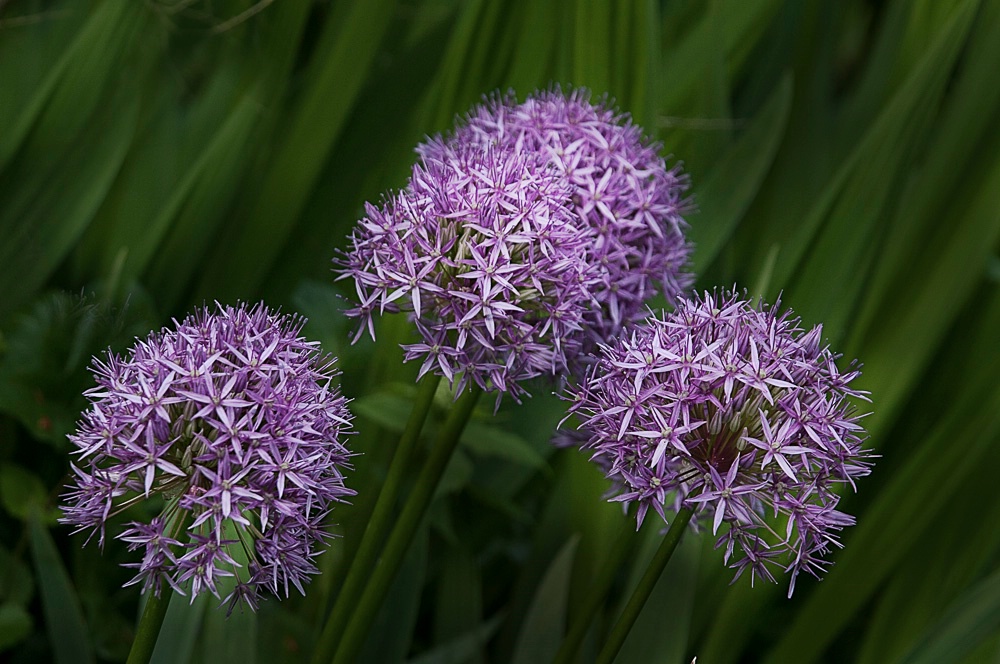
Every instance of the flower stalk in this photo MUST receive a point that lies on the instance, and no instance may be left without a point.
(149, 627)
(645, 588)
(409, 521)
(155, 610)
(378, 524)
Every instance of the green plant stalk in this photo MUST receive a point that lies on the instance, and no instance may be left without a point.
(642, 592)
(156, 606)
(149, 626)
(378, 525)
(407, 525)
(598, 591)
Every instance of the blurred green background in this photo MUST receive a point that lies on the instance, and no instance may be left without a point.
(159, 154)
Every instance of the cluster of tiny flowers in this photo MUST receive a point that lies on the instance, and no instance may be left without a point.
(628, 202)
(484, 251)
(231, 422)
(732, 410)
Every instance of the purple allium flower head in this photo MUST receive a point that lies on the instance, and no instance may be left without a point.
(730, 409)
(232, 423)
(484, 251)
(629, 202)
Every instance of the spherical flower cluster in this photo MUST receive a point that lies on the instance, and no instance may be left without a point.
(629, 203)
(484, 251)
(730, 409)
(231, 422)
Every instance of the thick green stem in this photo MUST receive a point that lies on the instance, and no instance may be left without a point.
(378, 523)
(407, 525)
(149, 626)
(156, 606)
(656, 566)
(594, 599)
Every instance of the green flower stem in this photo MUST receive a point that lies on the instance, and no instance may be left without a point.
(656, 566)
(149, 626)
(407, 525)
(378, 525)
(598, 591)
(156, 607)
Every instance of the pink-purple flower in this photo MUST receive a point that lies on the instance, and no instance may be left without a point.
(230, 426)
(483, 250)
(628, 201)
(729, 408)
